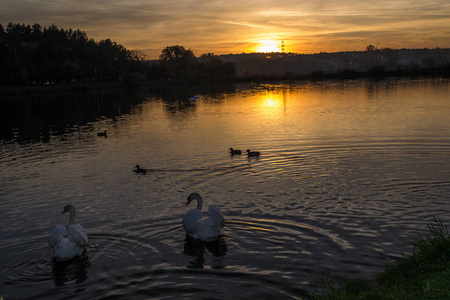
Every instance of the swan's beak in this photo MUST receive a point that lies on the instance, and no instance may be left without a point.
(64, 211)
(189, 201)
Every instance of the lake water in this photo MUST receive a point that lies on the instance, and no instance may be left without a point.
(349, 173)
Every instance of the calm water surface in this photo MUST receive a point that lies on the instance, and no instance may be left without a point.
(348, 173)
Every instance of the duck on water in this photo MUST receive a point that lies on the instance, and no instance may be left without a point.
(233, 151)
(252, 153)
(139, 170)
(102, 133)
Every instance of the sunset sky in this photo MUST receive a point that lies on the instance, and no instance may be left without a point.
(237, 26)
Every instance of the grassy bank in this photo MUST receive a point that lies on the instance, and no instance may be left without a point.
(425, 274)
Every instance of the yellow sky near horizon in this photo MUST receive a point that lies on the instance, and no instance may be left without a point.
(231, 27)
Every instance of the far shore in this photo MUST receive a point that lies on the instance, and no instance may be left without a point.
(23, 90)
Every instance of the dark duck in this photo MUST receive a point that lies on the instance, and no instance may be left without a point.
(233, 152)
(138, 170)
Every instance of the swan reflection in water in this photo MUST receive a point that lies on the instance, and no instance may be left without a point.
(197, 249)
(71, 271)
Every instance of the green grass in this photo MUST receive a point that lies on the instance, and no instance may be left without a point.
(425, 274)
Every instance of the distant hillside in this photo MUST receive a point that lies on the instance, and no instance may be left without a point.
(286, 65)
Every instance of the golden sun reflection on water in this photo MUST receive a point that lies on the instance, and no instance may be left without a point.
(273, 101)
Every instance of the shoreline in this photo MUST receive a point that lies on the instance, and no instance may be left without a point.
(26, 90)
(425, 274)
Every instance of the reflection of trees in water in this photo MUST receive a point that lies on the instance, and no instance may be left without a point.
(37, 118)
(73, 270)
(197, 249)
(176, 97)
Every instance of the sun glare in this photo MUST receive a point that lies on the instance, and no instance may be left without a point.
(267, 46)
(272, 100)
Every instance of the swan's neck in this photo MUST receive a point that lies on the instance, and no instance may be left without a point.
(198, 198)
(71, 211)
(199, 201)
(72, 217)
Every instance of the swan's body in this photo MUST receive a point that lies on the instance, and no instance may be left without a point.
(252, 153)
(205, 229)
(233, 152)
(193, 99)
(102, 133)
(68, 243)
(139, 170)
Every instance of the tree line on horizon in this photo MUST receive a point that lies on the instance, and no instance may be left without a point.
(37, 55)
(33, 54)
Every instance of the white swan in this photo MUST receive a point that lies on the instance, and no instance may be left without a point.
(68, 244)
(193, 99)
(205, 229)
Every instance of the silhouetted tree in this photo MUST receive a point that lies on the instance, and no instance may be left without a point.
(176, 53)
(214, 69)
(37, 55)
(177, 62)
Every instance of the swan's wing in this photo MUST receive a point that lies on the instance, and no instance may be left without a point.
(76, 234)
(67, 247)
(205, 229)
(65, 250)
(55, 235)
(208, 229)
(216, 217)
(190, 220)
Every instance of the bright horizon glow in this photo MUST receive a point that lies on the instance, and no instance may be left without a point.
(243, 26)
(268, 46)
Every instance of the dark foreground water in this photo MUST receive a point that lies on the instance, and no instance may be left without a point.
(349, 172)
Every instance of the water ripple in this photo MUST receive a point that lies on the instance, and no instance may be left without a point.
(345, 178)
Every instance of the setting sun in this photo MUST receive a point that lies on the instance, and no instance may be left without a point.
(268, 45)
